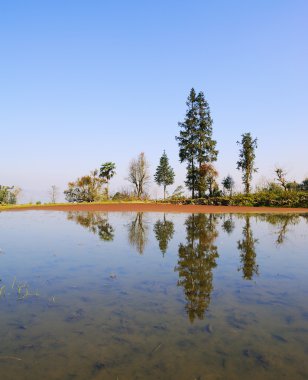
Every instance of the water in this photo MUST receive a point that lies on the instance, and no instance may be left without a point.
(153, 296)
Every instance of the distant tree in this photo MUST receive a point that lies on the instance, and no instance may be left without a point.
(205, 145)
(164, 173)
(195, 140)
(304, 185)
(88, 188)
(281, 178)
(228, 184)
(9, 194)
(247, 159)
(187, 140)
(53, 194)
(138, 174)
(293, 186)
(107, 171)
(178, 192)
(207, 179)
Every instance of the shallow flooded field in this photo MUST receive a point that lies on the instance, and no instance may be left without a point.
(153, 296)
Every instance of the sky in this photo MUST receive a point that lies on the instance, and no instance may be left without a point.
(85, 82)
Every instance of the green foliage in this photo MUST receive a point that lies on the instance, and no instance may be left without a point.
(261, 198)
(228, 184)
(107, 171)
(195, 139)
(247, 159)
(8, 195)
(164, 173)
(86, 189)
(304, 185)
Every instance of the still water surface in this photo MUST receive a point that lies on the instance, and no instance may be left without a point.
(153, 296)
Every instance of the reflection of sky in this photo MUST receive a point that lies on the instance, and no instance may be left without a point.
(30, 238)
(86, 84)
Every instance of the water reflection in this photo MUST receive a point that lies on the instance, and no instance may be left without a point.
(282, 222)
(96, 222)
(248, 255)
(164, 231)
(138, 232)
(196, 261)
(228, 224)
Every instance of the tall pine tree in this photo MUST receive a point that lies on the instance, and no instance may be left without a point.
(205, 145)
(187, 141)
(195, 140)
(164, 173)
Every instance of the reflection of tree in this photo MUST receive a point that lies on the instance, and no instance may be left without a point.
(95, 222)
(164, 230)
(282, 222)
(138, 233)
(228, 224)
(196, 261)
(248, 254)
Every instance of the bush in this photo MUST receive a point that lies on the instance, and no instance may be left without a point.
(259, 199)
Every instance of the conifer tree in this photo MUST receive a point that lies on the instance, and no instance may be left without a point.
(195, 140)
(187, 141)
(164, 173)
(205, 145)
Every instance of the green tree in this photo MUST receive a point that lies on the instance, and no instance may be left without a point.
(187, 141)
(164, 173)
(9, 194)
(304, 185)
(247, 159)
(205, 145)
(228, 184)
(107, 171)
(195, 140)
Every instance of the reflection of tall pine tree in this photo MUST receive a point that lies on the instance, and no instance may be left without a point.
(248, 254)
(196, 261)
(164, 230)
(95, 222)
(138, 233)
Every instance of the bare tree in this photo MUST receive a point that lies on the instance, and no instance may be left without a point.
(53, 193)
(281, 178)
(138, 174)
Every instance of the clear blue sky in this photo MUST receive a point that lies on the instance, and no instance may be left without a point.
(83, 82)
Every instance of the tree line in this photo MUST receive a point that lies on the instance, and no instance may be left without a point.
(197, 149)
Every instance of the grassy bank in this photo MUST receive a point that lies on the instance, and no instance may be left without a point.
(291, 199)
